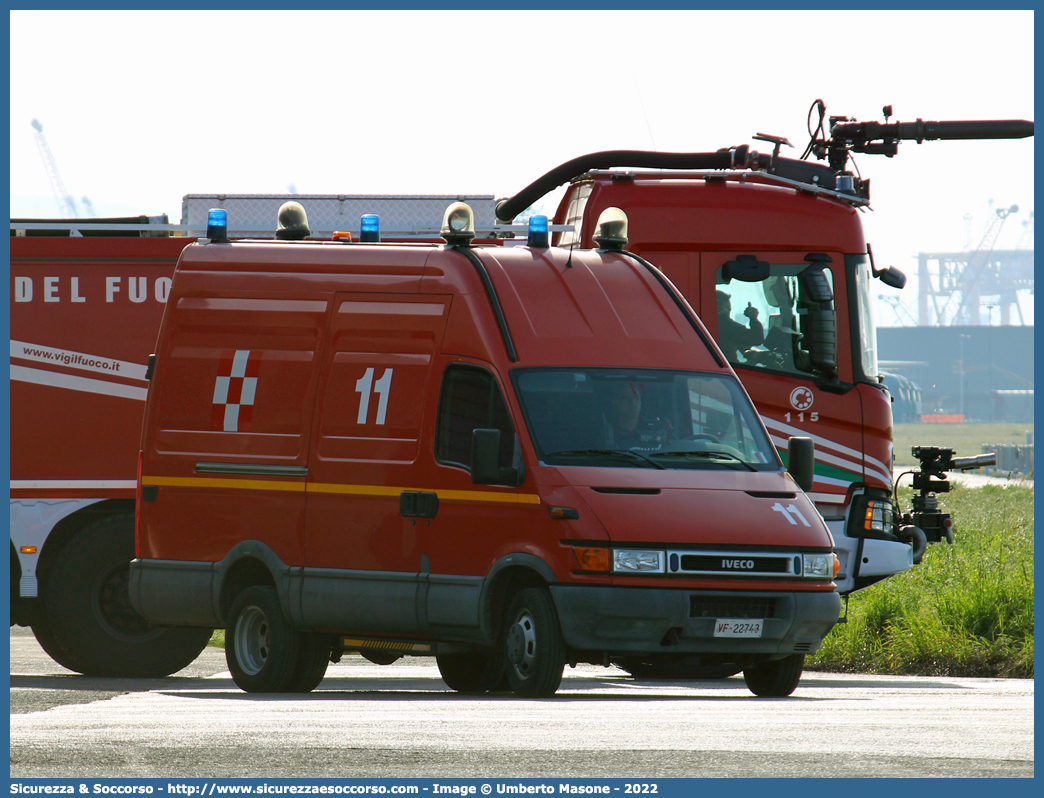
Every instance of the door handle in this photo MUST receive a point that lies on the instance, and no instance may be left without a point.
(418, 504)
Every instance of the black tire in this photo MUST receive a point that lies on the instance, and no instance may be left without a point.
(43, 631)
(775, 679)
(532, 644)
(86, 606)
(681, 668)
(313, 658)
(475, 672)
(260, 647)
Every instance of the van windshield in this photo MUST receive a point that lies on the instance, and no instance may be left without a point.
(628, 418)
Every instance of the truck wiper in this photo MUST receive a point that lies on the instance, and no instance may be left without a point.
(708, 455)
(602, 452)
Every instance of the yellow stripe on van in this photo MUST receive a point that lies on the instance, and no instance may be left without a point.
(364, 490)
(321, 487)
(444, 495)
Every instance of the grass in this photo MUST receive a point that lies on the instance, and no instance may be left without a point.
(965, 438)
(966, 610)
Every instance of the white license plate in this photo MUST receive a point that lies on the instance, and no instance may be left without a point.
(738, 627)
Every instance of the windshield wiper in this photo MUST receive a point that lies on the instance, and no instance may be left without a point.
(602, 452)
(708, 455)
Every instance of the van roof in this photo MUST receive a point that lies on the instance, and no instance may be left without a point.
(613, 310)
(561, 308)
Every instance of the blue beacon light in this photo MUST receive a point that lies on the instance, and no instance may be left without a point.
(217, 225)
(370, 228)
(538, 233)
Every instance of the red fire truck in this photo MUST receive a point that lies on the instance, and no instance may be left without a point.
(778, 236)
(771, 254)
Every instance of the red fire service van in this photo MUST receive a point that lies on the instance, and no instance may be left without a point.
(509, 458)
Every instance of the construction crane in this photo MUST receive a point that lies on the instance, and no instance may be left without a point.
(1027, 234)
(900, 309)
(967, 284)
(65, 201)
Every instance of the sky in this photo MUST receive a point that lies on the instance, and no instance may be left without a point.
(142, 108)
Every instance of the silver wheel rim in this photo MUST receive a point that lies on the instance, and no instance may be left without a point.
(521, 644)
(253, 640)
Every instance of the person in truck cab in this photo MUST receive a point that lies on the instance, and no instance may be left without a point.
(733, 338)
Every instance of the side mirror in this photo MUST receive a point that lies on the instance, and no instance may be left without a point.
(485, 456)
(815, 284)
(820, 333)
(891, 277)
(801, 461)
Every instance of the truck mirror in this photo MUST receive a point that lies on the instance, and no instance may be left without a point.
(820, 334)
(485, 457)
(746, 269)
(801, 461)
(891, 277)
(815, 286)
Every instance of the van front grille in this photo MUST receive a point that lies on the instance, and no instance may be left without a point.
(733, 562)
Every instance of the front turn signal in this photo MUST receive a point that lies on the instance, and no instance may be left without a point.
(592, 558)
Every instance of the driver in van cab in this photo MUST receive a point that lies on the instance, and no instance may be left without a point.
(624, 415)
(733, 338)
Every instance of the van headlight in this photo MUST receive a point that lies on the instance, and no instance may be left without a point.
(820, 566)
(633, 561)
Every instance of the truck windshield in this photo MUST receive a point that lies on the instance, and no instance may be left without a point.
(866, 335)
(627, 418)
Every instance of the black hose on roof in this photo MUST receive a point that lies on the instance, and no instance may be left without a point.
(509, 208)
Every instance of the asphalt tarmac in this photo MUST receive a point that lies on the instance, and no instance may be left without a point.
(368, 721)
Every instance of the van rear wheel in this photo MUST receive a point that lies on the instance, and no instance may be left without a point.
(478, 671)
(532, 642)
(85, 621)
(260, 647)
(775, 679)
(313, 658)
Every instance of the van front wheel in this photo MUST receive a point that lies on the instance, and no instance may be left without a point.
(775, 679)
(260, 647)
(533, 645)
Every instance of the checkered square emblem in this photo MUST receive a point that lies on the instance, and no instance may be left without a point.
(234, 390)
